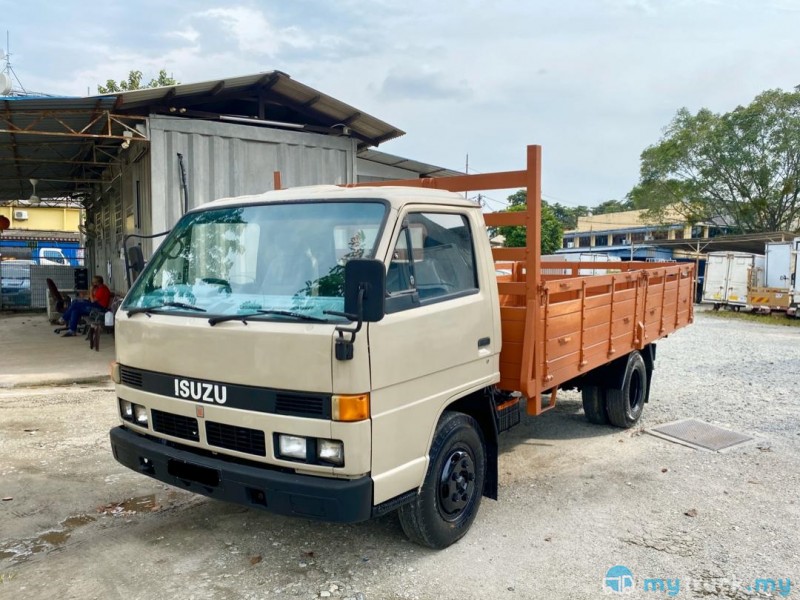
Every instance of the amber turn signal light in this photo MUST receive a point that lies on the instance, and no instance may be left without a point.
(113, 369)
(350, 407)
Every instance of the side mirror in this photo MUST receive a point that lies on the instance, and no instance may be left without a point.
(135, 260)
(369, 276)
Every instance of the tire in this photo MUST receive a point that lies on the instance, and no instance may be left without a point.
(594, 404)
(448, 501)
(625, 404)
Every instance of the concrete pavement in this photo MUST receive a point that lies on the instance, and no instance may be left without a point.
(31, 354)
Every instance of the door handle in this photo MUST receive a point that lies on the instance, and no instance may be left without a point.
(484, 341)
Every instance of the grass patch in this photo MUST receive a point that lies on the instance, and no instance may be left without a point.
(775, 318)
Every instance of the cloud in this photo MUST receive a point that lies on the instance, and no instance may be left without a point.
(402, 84)
(189, 34)
(185, 63)
(644, 6)
(254, 33)
(786, 5)
(594, 82)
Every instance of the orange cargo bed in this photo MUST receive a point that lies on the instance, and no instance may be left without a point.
(575, 323)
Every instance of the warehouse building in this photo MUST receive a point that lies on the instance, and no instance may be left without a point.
(138, 160)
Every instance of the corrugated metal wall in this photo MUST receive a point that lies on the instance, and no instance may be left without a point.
(143, 194)
(225, 159)
(122, 207)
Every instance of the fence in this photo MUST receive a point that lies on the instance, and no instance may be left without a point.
(24, 281)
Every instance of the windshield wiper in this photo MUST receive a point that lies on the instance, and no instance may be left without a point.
(292, 314)
(243, 318)
(283, 313)
(148, 309)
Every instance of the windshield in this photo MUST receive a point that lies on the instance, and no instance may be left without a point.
(245, 259)
(53, 256)
(11, 270)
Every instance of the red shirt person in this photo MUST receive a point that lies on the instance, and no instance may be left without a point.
(100, 294)
(99, 298)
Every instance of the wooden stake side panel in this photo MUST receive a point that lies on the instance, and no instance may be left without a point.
(586, 321)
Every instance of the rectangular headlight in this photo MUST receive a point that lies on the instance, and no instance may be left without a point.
(331, 451)
(140, 415)
(126, 410)
(292, 446)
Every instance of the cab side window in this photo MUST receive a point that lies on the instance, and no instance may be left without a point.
(433, 260)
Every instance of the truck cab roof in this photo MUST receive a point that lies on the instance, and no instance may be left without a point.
(397, 196)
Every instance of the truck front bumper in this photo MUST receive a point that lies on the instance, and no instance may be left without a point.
(322, 498)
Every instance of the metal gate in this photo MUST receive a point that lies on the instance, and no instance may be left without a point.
(24, 281)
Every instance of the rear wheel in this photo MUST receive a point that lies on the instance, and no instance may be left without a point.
(594, 404)
(446, 505)
(625, 404)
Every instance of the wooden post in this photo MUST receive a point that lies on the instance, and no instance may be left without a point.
(533, 262)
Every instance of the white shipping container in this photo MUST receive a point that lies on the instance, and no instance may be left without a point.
(727, 277)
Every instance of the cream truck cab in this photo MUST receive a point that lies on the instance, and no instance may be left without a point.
(335, 353)
(242, 378)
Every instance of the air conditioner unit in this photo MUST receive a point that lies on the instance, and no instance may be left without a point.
(21, 215)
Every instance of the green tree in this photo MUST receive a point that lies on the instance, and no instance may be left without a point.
(551, 227)
(135, 82)
(519, 198)
(568, 215)
(612, 206)
(742, 167)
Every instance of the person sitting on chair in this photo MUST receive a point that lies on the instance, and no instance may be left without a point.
(99, 298)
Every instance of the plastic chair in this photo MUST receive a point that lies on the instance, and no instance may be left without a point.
(60, 301)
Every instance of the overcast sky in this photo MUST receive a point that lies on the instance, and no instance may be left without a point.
(593, 81)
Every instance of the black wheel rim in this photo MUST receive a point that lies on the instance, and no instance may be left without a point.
(456, 484)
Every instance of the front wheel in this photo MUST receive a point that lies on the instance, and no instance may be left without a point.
(625, 404)
(446, 505)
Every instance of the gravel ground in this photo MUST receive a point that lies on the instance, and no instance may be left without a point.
(575, 499)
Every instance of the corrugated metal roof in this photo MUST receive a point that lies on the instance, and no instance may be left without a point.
(749, 242)
(279, 87)
(37, 141)
(49, 138)
(391, 160)
(38, 234)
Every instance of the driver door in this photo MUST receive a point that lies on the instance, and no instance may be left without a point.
(435, 342)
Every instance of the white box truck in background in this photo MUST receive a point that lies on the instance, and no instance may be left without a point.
(778, 264)
(728, 278)
(776, 292)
